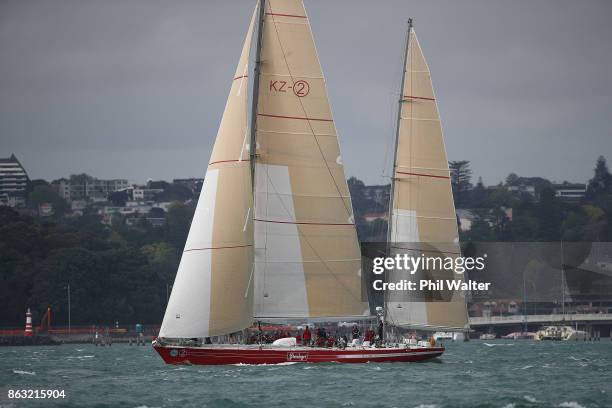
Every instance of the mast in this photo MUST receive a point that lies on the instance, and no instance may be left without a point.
(562, 282)
(255, 97)
(397, 131)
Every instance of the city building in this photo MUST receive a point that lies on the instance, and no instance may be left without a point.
(145, 194)
(570, 191)
(522, 189)
(373, 216)
(84, 187)
(13, 182)
(466, 218)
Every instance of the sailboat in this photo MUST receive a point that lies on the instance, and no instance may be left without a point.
(422, 218)
(273, 238)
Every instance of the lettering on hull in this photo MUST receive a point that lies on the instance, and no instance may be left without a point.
(297, 356)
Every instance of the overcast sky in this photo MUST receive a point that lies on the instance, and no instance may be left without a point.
(136, 88)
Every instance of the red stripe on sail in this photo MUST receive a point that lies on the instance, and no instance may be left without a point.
(294, 117)
(299, 223)
(227, 161)
(422, 175)
(222, 247)
(285, 15)
(418, 97)
(241, 76)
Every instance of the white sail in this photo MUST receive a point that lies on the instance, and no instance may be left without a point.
(307, 256)
(213, 290)
(423, 219)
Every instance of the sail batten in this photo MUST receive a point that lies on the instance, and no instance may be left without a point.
(422, 213)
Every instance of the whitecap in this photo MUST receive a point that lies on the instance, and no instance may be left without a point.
(529, 398)
(570, 404)
(498, 344)
(510, 405)
(22, 372)
(426, 406)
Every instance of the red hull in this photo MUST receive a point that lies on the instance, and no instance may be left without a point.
(211, 355)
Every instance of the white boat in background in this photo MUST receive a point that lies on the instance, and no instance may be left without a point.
(443, 336)
(560, 333)
(488, 336)
(453, 336)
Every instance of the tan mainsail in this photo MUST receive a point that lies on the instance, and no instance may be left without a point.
(307, 255)
(213, 290)
(423, 215)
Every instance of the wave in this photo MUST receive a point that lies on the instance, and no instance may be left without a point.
(529, 398)
(21, 372)
(570, 404)
(498, 344)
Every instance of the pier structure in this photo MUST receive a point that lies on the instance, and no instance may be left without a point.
(597, 325)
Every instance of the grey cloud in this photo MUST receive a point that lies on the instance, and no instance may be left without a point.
(136, 88)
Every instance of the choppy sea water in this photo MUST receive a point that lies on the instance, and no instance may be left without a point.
(498, 373)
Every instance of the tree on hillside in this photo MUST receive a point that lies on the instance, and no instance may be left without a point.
(178, 221)
(550, 216)
(601, 183)
(513, 179)
(172, 191)
(43, 194)
(461, 177)
(479, 194)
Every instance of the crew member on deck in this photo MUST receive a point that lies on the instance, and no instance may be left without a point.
(356, 332)
(306, 337)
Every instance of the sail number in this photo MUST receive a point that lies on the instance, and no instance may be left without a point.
(300, 88)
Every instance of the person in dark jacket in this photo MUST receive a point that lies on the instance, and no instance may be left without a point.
(356, 333)
(306, 337)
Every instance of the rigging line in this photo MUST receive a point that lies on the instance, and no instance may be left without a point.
(309, 243)
(349, 211)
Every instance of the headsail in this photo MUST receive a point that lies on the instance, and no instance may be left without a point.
(307, 255)
(213, 289)
(422, 209)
